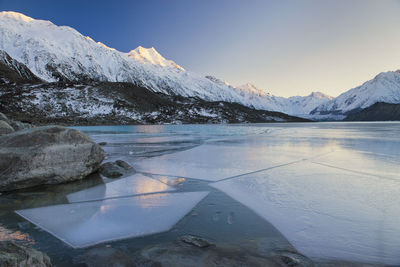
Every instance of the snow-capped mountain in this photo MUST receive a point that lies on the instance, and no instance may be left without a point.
(299, 105)
(55, 53)
(61, 53)
(385, 87)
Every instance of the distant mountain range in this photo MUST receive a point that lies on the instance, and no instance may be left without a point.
(61, 54)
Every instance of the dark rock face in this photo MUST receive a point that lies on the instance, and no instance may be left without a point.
(377, 112)
(46, 155)
(12, 255)
(12, 71)
(115, 169)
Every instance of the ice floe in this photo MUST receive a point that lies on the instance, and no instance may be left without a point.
(89, 223)
(326, 212)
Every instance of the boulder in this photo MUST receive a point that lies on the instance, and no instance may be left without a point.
(115, 169)
(17, 125)
(3, 117)
(13, 254)
(5, 128)
(46, 155)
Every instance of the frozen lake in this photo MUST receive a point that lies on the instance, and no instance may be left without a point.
(330, 190)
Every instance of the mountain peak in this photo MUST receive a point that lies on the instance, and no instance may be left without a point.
(251, 88)
(320, 95)
(151, 55)
(15, 15)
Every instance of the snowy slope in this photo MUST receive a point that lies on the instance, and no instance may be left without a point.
(385, 87)
(299, 105)
(56, 53)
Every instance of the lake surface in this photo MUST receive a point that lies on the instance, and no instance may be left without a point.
(331, 191)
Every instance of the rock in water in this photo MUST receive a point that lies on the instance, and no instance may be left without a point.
(5, 128)
(195, 241)
(3, 117)
(46, 155)
(12, 254)
(115, 169)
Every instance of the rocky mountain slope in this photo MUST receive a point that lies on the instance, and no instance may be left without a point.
(25, 97)
(377, 112)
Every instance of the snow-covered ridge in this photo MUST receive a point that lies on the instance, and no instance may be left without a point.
(385, 87)
(55, 53)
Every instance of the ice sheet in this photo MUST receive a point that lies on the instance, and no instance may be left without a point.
(89, 223)
(325, 212)
(363, 162)
(132, 185)
(215, 162)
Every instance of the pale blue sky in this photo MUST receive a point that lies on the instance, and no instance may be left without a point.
(286, 47)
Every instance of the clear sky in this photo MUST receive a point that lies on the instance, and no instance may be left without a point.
(287, 47)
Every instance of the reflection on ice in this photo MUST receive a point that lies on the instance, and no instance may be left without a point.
(326, 212)
(363, 162)
(89, 223)
(133, 185)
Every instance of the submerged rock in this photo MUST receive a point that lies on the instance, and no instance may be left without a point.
(5, 128)
(12, 254)
(112, 257)
(289, 258)
(196, 241)
(115, 169)
(46, 155)
(182, 254)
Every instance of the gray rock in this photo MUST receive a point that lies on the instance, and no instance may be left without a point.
(14, 255)
(5, 128)
(115, 169)
(46, 155)
(3, 117)
(289, 258)
(196, 241)
(17, 125)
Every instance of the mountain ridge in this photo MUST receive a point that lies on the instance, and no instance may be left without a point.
(60, 53)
